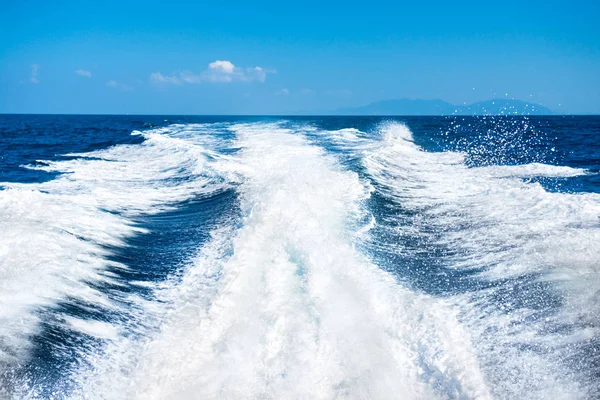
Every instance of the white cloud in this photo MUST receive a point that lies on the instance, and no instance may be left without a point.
(83, 72)
(306, 92)
(226, 72)
(190, 77)
(256, 73)
(225, 67)
(119, 86)
(282, 92)
(216, 76)
(35, 71)
(219, 71)
(157, 77)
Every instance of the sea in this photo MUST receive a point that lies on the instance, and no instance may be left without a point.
(217, 257)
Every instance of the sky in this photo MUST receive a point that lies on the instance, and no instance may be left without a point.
(274, 57)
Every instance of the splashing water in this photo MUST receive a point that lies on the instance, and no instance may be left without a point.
(304, 261)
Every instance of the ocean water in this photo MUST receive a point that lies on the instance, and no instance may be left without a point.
(163, 257)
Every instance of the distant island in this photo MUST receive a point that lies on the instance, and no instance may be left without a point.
(440, 107)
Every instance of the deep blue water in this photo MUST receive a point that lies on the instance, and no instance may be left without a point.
(124, 252)
(561, 140)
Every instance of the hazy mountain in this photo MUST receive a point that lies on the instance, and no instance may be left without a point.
(440, 107)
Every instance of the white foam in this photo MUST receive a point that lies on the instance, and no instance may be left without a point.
(97, 329)
(504, 228)
(533, 170)
(286, 307)
(350, 140)
(54, 235)
(510, 219)
(346, 134)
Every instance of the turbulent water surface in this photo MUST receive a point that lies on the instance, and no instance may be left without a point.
(299, 258)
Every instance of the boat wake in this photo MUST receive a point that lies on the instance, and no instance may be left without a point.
(350, 265)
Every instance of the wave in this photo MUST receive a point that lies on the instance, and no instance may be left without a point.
(285, 306)
(533, 170)
(297, 293)
(533, 307)
(57, 237)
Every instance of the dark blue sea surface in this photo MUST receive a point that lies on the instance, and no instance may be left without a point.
(299, 257)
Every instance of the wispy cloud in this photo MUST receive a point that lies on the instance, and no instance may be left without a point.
(219, 71)
(119, 86)
(159, 78)
(35, 72)
(83, 72)
(282, 92)
(190, 77)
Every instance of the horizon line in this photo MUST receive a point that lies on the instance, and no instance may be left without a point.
(307, 115)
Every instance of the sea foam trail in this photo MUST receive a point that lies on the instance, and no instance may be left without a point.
(536, 326)
(286, 307)
(55, 236)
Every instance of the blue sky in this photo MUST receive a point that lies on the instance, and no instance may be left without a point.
(198, 57)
